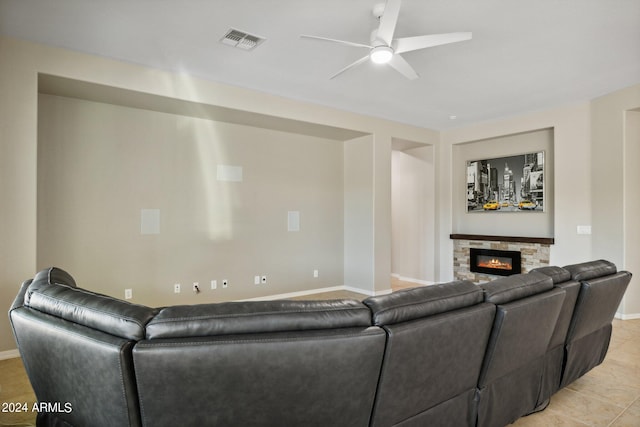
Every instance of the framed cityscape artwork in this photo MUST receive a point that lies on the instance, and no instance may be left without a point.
(506, 184)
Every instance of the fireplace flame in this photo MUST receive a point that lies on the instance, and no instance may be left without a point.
(495, 263)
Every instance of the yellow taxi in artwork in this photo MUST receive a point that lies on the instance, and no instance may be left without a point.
(491, 205)
(526, 205)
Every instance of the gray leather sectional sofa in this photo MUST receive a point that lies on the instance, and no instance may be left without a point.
(453, 354)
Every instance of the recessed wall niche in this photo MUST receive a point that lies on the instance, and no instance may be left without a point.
(530, 224)
(111, 160)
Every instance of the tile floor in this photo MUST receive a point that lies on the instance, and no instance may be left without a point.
(608, 395)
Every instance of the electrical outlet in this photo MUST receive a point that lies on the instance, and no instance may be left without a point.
(195, 287)
(264, 280)
(214, 284)
(315, 273)
(256, 280)
(225, 283)
(176, 288)
(128, 293)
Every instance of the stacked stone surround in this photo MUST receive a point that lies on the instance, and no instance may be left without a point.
(533, 255)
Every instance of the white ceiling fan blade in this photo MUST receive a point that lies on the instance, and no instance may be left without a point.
(408, 44)
(388, 21)
(358, 62)
(403, 67)
(336, 41)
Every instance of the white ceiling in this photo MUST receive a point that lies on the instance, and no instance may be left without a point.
(525, 55)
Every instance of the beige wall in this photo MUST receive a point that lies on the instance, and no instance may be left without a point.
(631, 303)
(413, 214)
(19, 257)
(615, 177)
(359, 268)
(571, 177)
(99, 165)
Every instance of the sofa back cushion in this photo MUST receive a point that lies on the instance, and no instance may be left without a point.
(591, 269)
(558, 274)
(562, 279)
(527, 309)
(516, 287)
(256, 317)
(76, 347)
(416, 303)
(436, 339)
(590, 330)
(54, 292)
(305, 378)
(597, 303)
(528, 306)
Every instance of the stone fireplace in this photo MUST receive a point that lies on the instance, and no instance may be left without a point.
(495, 254)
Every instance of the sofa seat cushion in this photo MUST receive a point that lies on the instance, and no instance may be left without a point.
(52, 292)
(256, 317)
(416, 303)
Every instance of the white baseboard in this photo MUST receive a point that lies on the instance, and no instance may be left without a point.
(628, 316)
(319, 291)
(412, 280)
(9, 354)
(296, 294)
(365, 291)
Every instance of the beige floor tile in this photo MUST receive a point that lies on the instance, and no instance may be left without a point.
(15, 388)
(630, 417)
(548, 418)
(624, 333)
(629, 347)
(583, 408)
(606, 389)
(621, 372)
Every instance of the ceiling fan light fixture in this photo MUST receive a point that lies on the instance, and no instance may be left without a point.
(381, 54)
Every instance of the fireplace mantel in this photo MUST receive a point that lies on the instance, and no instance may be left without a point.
(482, 237)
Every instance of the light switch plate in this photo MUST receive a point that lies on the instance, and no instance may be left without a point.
(584, 229)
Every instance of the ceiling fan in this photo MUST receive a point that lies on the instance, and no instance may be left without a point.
(384, 49)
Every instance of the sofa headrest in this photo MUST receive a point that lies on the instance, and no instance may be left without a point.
(55, 275)
(516, 287)
(409, 304)
(591, 269)
(597, 303)
(54, 292)
(256, 317)
(557, 274)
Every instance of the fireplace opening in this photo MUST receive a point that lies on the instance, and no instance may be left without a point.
(491, 261)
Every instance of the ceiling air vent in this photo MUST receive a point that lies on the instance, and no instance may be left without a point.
(241, 40)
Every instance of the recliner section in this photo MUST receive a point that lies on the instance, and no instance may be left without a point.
(453, 354)
(527, 308)
(436, 342)
(553, 359)
(589, 333)
(76, 347)
(287, 363)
